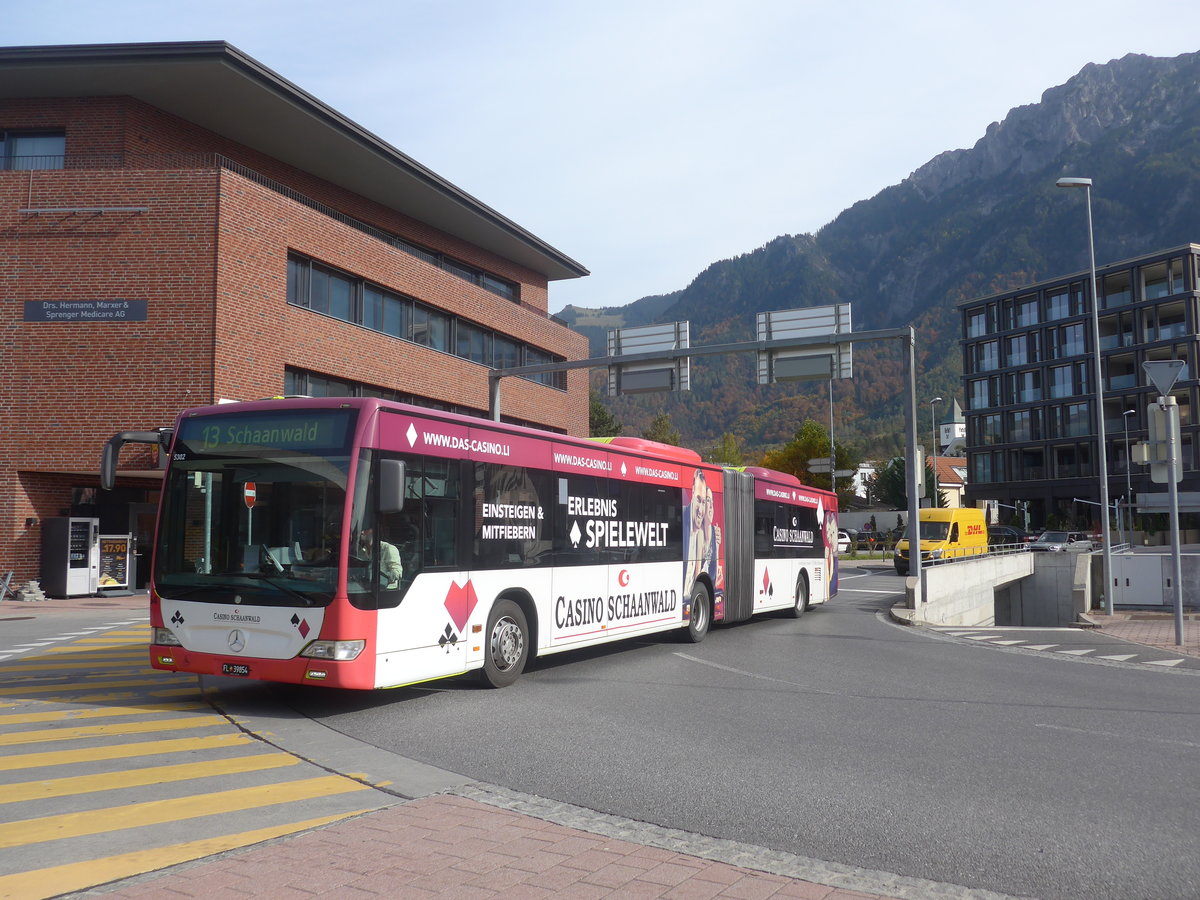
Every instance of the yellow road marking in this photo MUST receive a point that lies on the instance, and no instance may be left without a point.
(17, 667)
(157, 812)
(106, 698)
(98, 712)
(91, 685)
(56, 880)
(97, 651)
(90, 784)
(120, 751)
(90, 731)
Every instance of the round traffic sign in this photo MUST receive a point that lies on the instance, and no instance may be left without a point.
(250, 493)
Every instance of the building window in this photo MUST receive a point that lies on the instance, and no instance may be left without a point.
(1026, 312)
(988, 430)
(473, 343)
(1058, 304)
(983, 394)
(977, 321)
(986, 468)
(1116, 331)
(1017, 350)
(1117, 290)
(1122, 372)
(1163, 323)
(987, 356)
(325, 290)
(386, 312)
(32, 149)
(1028, 464)
(1076, 419)
(1020, 427)
(1162, 279)
(506, 354)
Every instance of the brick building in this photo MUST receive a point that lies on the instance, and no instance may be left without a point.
(183, 226)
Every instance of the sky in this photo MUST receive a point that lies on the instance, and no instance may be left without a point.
(647, 139)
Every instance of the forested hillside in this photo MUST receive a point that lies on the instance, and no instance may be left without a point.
(966, 224)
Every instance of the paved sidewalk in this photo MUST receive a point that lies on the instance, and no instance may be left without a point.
(1154, 628)
(449, 846)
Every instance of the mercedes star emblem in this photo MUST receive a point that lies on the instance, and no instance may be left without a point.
(237, 640)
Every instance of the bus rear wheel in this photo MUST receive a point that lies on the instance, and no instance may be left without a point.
(801, 604)
(507, 645)
(701, 614)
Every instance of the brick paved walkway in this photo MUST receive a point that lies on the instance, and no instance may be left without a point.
(447, 846)
(1154, 628)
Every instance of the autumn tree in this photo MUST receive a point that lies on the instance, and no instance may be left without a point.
(812, 442)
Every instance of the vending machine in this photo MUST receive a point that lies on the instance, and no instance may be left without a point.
(70, 556)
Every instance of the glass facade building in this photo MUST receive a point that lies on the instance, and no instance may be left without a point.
(1032, 424)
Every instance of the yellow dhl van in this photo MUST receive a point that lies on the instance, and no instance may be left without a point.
(945, 534)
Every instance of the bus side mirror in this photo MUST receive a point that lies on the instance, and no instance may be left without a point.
(391, 485)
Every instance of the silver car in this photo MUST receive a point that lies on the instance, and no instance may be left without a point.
(1061, 540)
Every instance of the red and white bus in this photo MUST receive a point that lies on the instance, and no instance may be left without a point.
(361, 543)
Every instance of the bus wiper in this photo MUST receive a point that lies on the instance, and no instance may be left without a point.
(279, 586)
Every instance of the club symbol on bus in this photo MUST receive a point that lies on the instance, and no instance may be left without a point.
(177, 619)
(448, 638)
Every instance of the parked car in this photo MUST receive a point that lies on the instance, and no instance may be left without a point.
(843, 540)
(1007, 534)
(1061, 540)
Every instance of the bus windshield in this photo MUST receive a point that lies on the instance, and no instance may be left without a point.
(252, 509)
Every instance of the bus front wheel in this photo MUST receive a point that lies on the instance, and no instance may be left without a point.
(507, 645)
(701, 614)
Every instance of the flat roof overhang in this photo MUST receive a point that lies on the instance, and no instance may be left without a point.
(216, 86)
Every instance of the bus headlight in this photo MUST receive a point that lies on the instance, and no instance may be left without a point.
(936, 554)
(165, 637)
(342, 651)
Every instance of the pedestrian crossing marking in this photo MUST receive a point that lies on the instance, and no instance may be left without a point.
(192, 691)
(90, 731)
(1164, 662)
(90, 784)
(121, 751)
(17, 667)
(157, 812)
(96, 712)
(160, 678)
(56, 880)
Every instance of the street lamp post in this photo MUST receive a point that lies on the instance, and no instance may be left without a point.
(933, 422)
(1128, 477)
(1105, 528)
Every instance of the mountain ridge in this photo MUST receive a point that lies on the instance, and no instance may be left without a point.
(967, 223)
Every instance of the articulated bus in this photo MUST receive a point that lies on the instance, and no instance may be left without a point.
(361, 543)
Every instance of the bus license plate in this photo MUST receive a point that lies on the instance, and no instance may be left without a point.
(235, 669)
